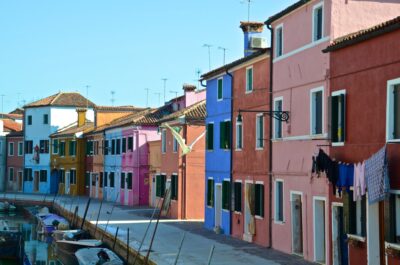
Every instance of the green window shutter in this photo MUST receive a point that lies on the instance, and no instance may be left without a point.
(222, 134)
(396, 109)
(158, 186)
(363, 216)
(335, 119)
(226, 191)
(390, 219)
(210, 136)
(343, 118)
(238, 196)
(249, 85)
(228, 129)
(210, 192)
(124, 145)
(122, 180)
(259, 190)
(220, 89)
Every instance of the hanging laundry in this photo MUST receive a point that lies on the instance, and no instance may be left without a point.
(323, 163)
(346, 177)
(376, 176)
(359, 181)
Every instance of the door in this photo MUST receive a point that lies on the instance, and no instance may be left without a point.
(36, 181)
(319, 230)
(249, 215)
(96, 183)
(339, 237)
(297, 224)
(126, 192)
(20, 180)
(67, 182)
(54, 181)
(153, 191)
(218, 205)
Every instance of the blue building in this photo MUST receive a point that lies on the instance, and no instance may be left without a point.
(218, 150)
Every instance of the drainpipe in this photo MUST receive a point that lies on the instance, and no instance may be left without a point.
(231, 154)
(270, 132)
(201, 83)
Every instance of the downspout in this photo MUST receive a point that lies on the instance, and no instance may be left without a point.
(201, 83)
(271, 56)
(183, 200)
(231, 154)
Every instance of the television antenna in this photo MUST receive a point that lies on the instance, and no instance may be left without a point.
(112, 97)
(147, 96)
(208, 46)
(224, 51)
(249, 2)
(198, 72)
(159, 97)
(165, 85)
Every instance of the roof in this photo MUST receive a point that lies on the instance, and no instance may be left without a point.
(195, 112)
(365, 34)
(17, 111)
(10, 125)
(65, 99)
(226, 67)
(16, 134)
(118, 108)
(72, 129)
(286, 11)
(11, 116)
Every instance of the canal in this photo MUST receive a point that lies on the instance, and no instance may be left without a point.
(38, 248)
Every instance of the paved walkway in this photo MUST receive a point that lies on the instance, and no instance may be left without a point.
(197, 243)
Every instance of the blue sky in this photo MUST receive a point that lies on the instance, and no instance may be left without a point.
(123, 46)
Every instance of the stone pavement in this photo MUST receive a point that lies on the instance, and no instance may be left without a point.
(196, 245)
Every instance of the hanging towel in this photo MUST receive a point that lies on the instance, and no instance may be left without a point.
(359, 181)
(346, 177)
(376, 176)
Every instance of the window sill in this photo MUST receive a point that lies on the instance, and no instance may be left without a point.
(238, 213)
(259, 148)
(210, 207)
(279, 222)
(356, 237)
(392, 245)
(338, 144)
(393, 140)
(249, 92)
(238, 149)
(218, 100)
(225, 210)
(259, 217)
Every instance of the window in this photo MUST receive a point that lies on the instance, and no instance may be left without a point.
(113, 147)
(95, 147)
(163, 141)
(210, 192)
(338, 113)
(28, 147)
(238, 196)
(249, 79)
(393, 110)
(219, 89)
(45, 118)
(259, 200)
(160, 185)
(279, 41)
(392, 219)
(210, 136)
(43, 175)
(123, 180)
(225, 134)
(44, 146)
(28, 174)
(259, 131)
(29, 120)
(129, 180)
(318, 24)
(278, 102)
(226, 195)
(124, 145)
(355, 214)
(89, 148)
(55, 146)
(174, 187)
(20, 148)
(72, 177)
(10, 149)
(11, 174)
(130, 143)
(118, 149)
(239, 135)
(62, 175)
(72, 148)
(62, 148)
(106, 146)
(174, 145)
(316, 111)
(105, 179)
(279, 201)
(87, 179)
(112, 175)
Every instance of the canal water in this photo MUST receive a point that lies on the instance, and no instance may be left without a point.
(39, 249)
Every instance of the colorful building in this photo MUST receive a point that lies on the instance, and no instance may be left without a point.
(365, 108)
(182, 161)
(250, 150)
(302, 204)
(15, 161)
(68, 155)
(154, 169)
(41, 119)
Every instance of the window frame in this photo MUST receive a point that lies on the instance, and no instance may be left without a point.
(315, 8)
(174, 186)
(163, 141)
(20, 148)
(226, 195)
(11, 169)
(62, 154)
(312, 92)
(129, 144)
(210, 203)
(276, 217)
(237, 138)
(277, 54)
(276, 121)
(238, 199)
(29, 120)
(337, 94)
(72, 144)
(54, 150)
(390, 109)
(41, 175)
(208, 136)
(261, 209)
(227, 133)
(260, 140)
(123, 145)
(46, 119)
(221, 79)
(248, 91)
(10, 149)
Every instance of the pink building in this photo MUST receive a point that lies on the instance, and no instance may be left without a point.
(302, 205)
(15, 161)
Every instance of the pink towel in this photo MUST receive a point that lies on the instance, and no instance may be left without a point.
(359, 181)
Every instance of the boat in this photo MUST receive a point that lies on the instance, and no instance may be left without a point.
(11, 243)
(50, 222)
(94, 256)
(7, 207)
(66, 249)
(75, 234)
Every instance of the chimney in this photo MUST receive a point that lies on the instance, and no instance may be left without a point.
(190, 94)
(250, 30)
(81, 116)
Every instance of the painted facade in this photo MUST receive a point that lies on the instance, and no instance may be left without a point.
(15, 161)
(41, 119)
(154, 169)
(302, 216)
(183, 173)
(377, 233)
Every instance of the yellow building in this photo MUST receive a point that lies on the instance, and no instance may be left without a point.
(68, 151)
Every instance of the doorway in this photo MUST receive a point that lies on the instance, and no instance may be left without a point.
(153, 191)
(36, 181)
(373, 238)
(67, 182)
(339, 244)
(297, 223)
(319, 230)
(218, 205)
(126, 193)
(20, 181)
(249, 222)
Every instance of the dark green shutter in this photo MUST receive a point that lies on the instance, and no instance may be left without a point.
(318, 112)
(390, 219)
(238, 196)
(228, 129)
(122, 180)
(222, 135)
(210, 192)
(226, 191)
(210, 136)
(220, 89)
(334, 119)
(259, 200)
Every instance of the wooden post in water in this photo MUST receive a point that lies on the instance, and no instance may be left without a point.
(84, 215)
(211, 254)
(73, 218)
(112, 209)
(179, 249)
(127, 248)
(115, 238)
(98, 216)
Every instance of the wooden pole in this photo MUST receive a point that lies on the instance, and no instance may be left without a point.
(179, 249)
(98, 216)
(127, 248)
(211, 254)
(115, 238)
(84, 215)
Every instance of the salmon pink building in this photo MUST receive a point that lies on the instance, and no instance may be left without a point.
(15, 161)
(303, 204)
(365, 73)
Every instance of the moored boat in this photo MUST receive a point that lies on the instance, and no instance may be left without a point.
(7, 207)
(50, 222)
(93, 256)
(75, 234)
